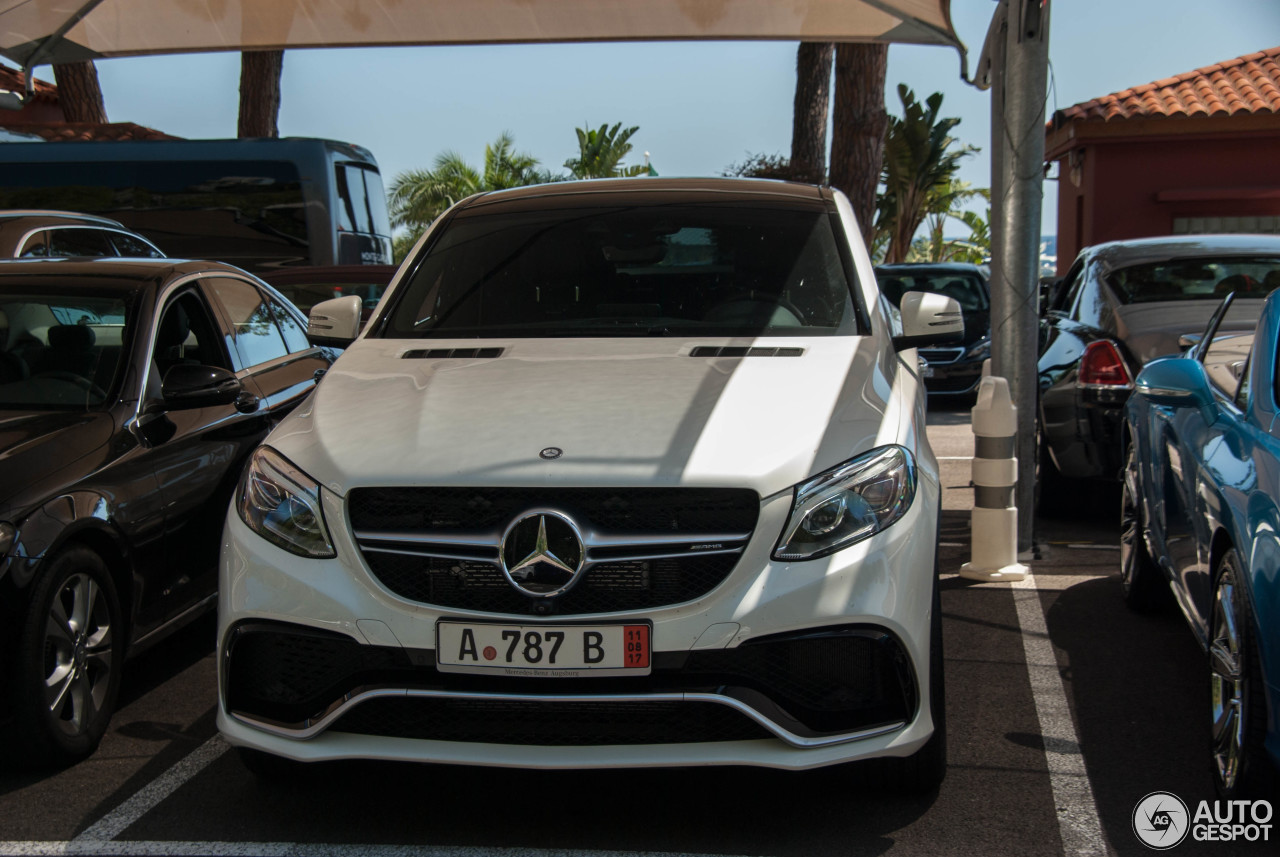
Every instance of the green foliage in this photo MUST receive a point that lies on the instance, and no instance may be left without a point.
(920, 164)
(600, 153)
(418, 197)
(761, 166)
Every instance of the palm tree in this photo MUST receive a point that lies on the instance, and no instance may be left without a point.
(260, 93)
(809, 115)
(79, 93)
(419, 196)
(858, 130)
(919, 162)
(944, 204)
(600, 153)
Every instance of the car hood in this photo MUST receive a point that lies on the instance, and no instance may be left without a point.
(36, 445)
(1151, 330)
(622, 411)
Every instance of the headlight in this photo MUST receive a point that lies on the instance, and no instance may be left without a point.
(7, 535)
(282, 504)
(848, 503)
(980, 351)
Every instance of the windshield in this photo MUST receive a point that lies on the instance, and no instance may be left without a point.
(968, 289)
(1195, 279)
(637, 270)
(61, 351)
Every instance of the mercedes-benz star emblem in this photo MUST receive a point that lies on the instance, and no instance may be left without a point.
(551, 453)
(542, 553)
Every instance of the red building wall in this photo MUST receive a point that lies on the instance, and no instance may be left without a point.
(1130, 188)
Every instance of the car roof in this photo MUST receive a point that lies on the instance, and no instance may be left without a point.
(1136, 251)
(109, 271)
(43, 217)
(642, 189)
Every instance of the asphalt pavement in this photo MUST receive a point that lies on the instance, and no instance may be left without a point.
(1064, 711)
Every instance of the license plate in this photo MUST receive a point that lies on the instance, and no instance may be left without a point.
(542, 650)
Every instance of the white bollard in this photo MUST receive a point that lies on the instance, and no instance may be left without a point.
(994, 526)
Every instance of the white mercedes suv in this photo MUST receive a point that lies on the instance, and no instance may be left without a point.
(620, 473)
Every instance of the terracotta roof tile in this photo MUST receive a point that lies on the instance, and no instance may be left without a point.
(1247, 84)
(55, 132)
(13, 80)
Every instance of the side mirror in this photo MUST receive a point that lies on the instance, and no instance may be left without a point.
(929, 318)
(335, 323)
(1177, 382)
(191, 386)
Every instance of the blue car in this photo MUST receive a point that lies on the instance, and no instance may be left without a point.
(1201, 513)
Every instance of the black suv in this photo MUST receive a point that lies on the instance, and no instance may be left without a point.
(953, 370)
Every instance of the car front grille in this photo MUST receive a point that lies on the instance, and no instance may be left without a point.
(645, 547)
(550, 724)
(823, 682)
(941, 355)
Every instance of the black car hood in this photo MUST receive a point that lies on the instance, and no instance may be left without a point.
(36, 445)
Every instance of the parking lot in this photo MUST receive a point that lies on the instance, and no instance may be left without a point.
(1064, 711)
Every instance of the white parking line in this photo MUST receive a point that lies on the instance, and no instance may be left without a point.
(1078, 822)
(115, 822)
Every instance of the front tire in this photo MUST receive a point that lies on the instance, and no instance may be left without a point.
(1140, 577)
(68, 671)
(1238, 708)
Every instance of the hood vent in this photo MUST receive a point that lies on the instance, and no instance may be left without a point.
(450, 353)
(743, 351)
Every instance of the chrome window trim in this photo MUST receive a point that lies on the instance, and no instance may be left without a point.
(54, 227)
(313, 727)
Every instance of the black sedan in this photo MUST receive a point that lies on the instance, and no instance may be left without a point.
(1121, 305)
(954, 370)
(131, 393)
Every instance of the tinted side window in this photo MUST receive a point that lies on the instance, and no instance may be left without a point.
(254, 338)
(295, 335)
(79, 242)
(128, 245)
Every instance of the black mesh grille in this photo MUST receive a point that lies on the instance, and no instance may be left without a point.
(290, 676)
(556, 724)
(477, 584)
(669, 511)
(605, 588)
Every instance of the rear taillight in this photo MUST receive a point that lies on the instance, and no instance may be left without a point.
(1102, 366)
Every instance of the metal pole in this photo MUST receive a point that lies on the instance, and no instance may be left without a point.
(1019, 133)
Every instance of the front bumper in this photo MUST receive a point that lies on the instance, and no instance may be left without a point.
(783, 665)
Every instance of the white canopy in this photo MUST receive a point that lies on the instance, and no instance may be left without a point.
(92, 29)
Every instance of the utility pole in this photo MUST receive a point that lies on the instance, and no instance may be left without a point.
(1020, 75)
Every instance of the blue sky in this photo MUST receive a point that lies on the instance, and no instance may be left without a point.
(700, 106)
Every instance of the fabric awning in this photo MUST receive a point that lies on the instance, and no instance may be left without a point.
(119, 28)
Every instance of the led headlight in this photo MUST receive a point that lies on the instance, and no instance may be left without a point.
(848, 503)
(282, 504)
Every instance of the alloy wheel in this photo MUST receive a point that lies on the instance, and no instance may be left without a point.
(1227, 682)
(1130, 521)
(77, 654)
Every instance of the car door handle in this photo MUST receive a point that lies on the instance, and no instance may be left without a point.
(247, 403)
